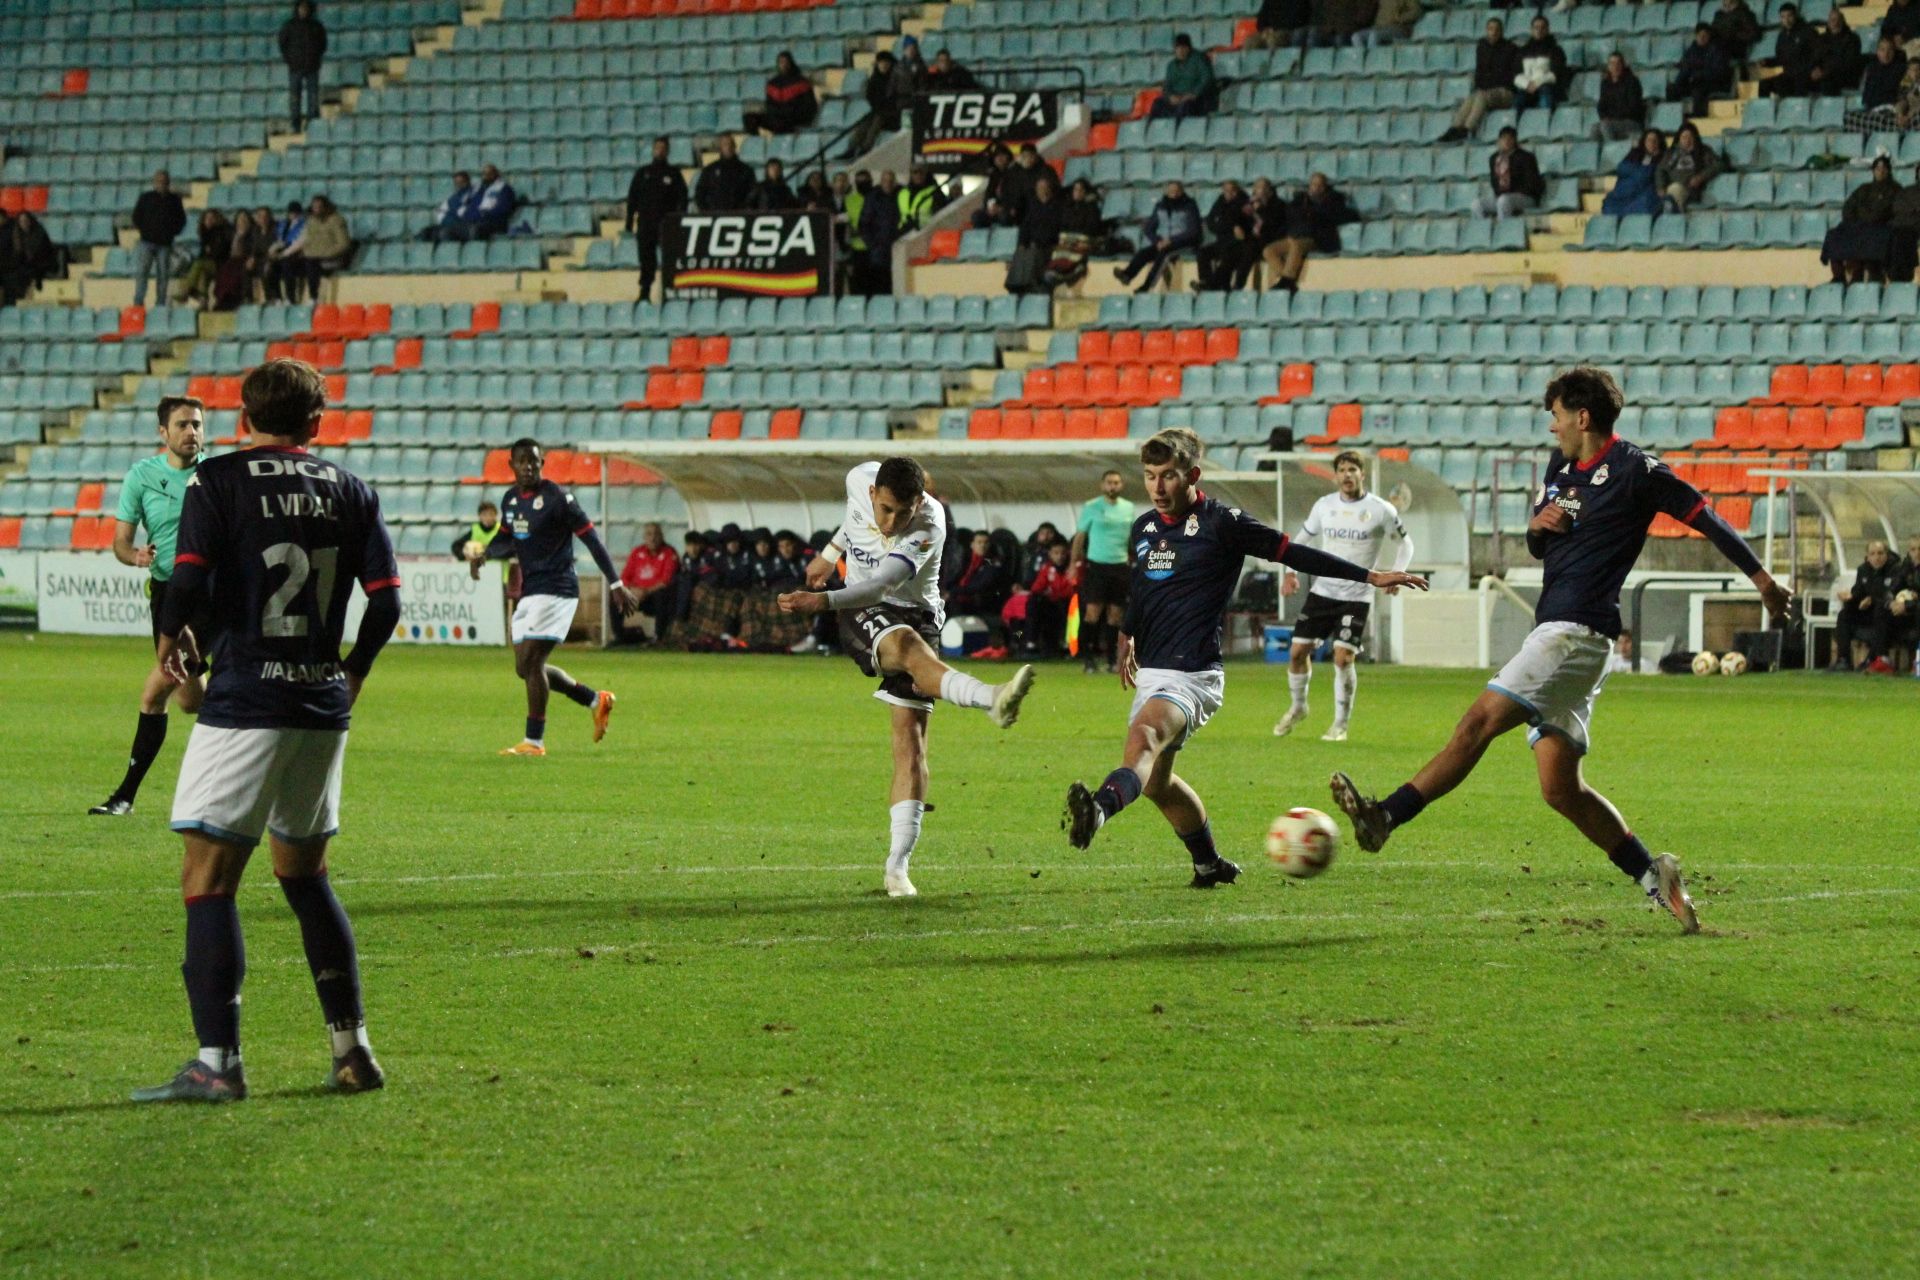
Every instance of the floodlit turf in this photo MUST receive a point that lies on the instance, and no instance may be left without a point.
(644, 1010)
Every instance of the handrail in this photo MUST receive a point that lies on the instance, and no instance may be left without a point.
(1640, 590)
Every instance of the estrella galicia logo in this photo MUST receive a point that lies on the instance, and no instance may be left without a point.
(1159, 560)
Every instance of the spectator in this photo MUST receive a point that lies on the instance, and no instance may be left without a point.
(1859, 247)
(323, 247)
(1705, 71)
(816, 194)
(1034, 553)
(1515, 186)
(1341, 20)
(281, 281)
(790, 103)
(1636, 184)
(1880, 89)
(982, 585)
(1173, 225)
(649, 575)
(159, 217)
(1039, 237)
(1620, 657)
(1281, 22)
(30, 257)
(489, 210)
(1903, 622)
(1686, 169)
(1189, 86)
(1623, 106)
(889, 92)
(658, 189)
(1049, 598)
(920, 199)
(1736, 30)
(726, 185)
(1861, 634)
(1496, 62)
(946, 75)
(303, 47)
(233, 278)
(1906, 111)
(1027, 170)
(698, 564)
(1392, 22)
(1903, 241)
(452, 213)
(772, 194)
(1267, 219)
(1795, 49)
(1083, 232)
(485, 527)
(1227, 225)
(1839, 63)
(1544, 76)
(1902, 21)
(879, 228)
(854, 206)
(912, 65)
(1313, 220)
(721, 598)
(997, 209)
(778, 567)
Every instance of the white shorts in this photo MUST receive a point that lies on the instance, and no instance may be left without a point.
(543, 618)
(1197, 693)
(1556, 676)
(237, 783)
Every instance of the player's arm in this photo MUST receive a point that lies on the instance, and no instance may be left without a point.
(200, 533)
(820, 568)
(1251, 537)
(1309, 532)
(380, 579)
(893, 571)
(127, 523)
(1402, 552)
(1689, 506)
(589, 537)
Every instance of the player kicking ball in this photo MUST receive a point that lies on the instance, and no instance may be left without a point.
(271, 541)
(1590, 521)
(1355, 524)
(540, 520)
(1187, 556)
(890, 616)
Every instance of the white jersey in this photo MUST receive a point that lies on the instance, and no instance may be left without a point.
(1355, 531)
(919, 544)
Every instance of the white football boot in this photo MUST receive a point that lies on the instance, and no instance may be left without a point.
(1287, 721)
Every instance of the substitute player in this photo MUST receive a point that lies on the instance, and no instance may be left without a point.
(1100, 560)
(1590, 521)
(1187, 556)
(890, 617)
(1353, 524)
(150, 497)
(539, 521)
(272, 540)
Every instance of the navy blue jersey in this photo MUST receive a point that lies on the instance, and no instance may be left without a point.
(1613, 500)
(1184, 572)
(541, 524)
(282, 536)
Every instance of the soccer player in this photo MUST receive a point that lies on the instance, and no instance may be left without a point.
(1354, 524)
(540, 521)
(1589, 523)
(1187, 556)
(150, 496)
(890, 616)
(271, 541)
(1100, 560)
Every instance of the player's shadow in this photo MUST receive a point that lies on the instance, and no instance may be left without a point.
(1182, 949)
(58, 1110)
(676, 908)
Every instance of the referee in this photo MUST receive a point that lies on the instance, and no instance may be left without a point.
(151, 496)
(1100, 564)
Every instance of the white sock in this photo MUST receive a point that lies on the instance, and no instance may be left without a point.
(346, 1038)
(1345, 680)
(220, 1059)
(1650, 880)
(906, 831)
(1297, 685)
(962, 690)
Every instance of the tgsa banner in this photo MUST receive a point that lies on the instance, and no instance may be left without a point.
(749, 255)
(954, 129)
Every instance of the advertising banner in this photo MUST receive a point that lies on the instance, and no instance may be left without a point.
(748, 255)
(18, 585)
(90, 594)
(953, 129)
(440, 603)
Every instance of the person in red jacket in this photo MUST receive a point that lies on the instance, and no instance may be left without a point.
(649, 571)
(1048, 601)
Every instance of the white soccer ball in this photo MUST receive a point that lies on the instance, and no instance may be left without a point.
(1733, 664)
(474, 550)
(1302, 842)
(1705, 664)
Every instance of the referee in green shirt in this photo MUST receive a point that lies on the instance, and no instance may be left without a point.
(1100, 561)
(151, 497)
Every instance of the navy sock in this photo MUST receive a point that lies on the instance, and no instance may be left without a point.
(1200, 845)
(328, 937)
(562, 683)
(536, 728)
(215, 966)
(1631, 856)
(1404, 805)
(148, 738)
(1090, 640)
(1121, 789)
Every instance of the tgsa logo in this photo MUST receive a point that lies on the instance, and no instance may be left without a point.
(307, 467)
(750, 236)
(993, 110)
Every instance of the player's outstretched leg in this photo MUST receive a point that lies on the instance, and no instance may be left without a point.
(1567, 792)
(215, 966)
(1346, 680)
(904, 650)
(1491, 715)
(1299, 676)
(148, 737)
(908, 798)
(327, 936)
(1159, 725)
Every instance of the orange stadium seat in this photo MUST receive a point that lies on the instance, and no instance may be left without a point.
(133, 323)
(1732, 429)
(406, 353)
(1037, 388)
(1156, 346)
(1770, 426)
(715, 350)
(1165, 382)
(785, 424)
(1103, 384)
(1826, 383)
(90, 496)
(1070, 384)
(1125, 348)
(360, 424)
(498, 469)
(683, 353)
(1017, 424)
(725, 425)
(10, 532)
(1900, 382)
(1190, 346)
(983, 424)
(74, 82)
(1082, 424)
(1096, 346)
(1806, 428)
(1223, 344)
(1845, 424)
(1864, 384)
(1789, 382)
(1111, 424)
(1049, 424)
(1135, 385)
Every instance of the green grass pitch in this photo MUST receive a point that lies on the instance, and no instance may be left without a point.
(645, 1012)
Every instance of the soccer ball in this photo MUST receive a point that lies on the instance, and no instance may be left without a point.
(474, 550)
(1704, 663)
(1302, 842)
(1733, 664)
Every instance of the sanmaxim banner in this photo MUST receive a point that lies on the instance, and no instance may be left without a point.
(749, 255)
(90, 594)
(953, 129)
